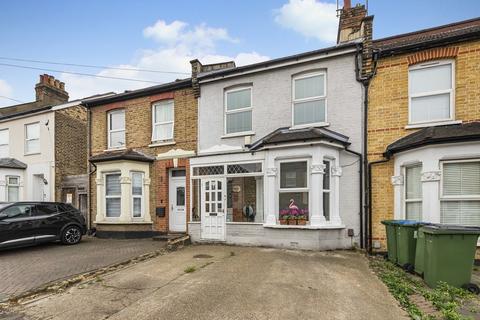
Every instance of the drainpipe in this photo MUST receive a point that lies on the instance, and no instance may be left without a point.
(89, 185)
(360, 156)
(365, 81)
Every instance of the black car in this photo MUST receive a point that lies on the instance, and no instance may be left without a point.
(28, 223)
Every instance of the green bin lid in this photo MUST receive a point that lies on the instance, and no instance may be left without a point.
(450, 229)
(406, 223)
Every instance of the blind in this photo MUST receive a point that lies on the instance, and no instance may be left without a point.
(413, 210)
(239, 122)
(309, 112)
(137, 183)
(239, 99)
(113, 185)
(461, 179)
(413, 182)
(431, 79)
(460, 212)
(164, 111)
(310, 87)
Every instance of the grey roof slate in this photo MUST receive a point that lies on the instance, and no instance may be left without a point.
(12, 163)
(126, 154)
(283, 135)
(436, 135)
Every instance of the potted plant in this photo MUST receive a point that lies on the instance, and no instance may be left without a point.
(284, 217)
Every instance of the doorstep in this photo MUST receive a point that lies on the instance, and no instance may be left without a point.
(307, 227)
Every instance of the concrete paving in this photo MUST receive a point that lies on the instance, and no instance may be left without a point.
(224, 282)
(23, 269)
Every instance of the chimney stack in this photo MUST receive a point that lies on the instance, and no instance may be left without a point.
(198, 67)
(50, 91)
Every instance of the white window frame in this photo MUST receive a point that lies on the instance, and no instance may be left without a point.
(316, 98)
(110, 131)
(32, 139)
(287, 190)
(8, 185)
(405, 200)
(328, 191)
(142, 197)
(455, 198)
(451, 91)
(112, 197)
(227, 112)
(154, 124)
(8, 142)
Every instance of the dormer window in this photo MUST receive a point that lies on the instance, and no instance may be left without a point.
(310, 99)
(431, 92)
(116, 129)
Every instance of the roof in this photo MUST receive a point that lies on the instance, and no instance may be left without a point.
(125, 154)
(436, 135)
(12, 163)
(24, 108)
(178, 84)
(274, 62)
(418, 40)
(283, 135)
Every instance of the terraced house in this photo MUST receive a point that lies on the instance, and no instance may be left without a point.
(139, 145)
(43, 148)
(424, 127)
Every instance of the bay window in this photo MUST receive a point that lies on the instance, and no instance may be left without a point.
(431, 92)
(309, 99)
(116, 129)
(460, 193)
(137, 194)
(326, 189)
(163, 120)
(413, 192)
(113, 195)
(293, 196)
(13, 188)
(32, 138)
(238, 110)
(4, 142)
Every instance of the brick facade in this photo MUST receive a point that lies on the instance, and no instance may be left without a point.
(138, 125)
(70, 145)
(388, 113)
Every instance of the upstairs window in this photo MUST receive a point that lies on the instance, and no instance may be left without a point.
(309, 99)
(238, 110)
(4, 141)
(163, 120)
(116, 129)
(413, 193)
(32, 138)
(431, 92)
(460, 198)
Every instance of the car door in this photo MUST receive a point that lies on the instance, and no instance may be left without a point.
(47, 222)
(16, 227)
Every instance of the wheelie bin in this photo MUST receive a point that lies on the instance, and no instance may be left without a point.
(407, 243)
(420, 251)
(390, 227)
(449, 255)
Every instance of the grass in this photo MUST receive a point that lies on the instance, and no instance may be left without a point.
(190, 269)
(446, 299)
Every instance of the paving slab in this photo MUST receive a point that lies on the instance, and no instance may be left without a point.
(24, 269)
(225, 282)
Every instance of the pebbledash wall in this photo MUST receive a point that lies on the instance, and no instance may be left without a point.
(138, 134)
(388, 116)
(272, 109)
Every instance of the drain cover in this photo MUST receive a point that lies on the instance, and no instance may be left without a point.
(203, 256)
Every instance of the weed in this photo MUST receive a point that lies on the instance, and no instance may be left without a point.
(190, 269)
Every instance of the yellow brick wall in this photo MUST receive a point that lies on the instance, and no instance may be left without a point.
(388, 116)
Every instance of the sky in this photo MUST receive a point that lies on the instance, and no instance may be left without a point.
(161, 35)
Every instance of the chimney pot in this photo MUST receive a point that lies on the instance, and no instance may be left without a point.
(347, 4)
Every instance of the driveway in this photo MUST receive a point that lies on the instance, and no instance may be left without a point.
(27, 268)
(223, 282)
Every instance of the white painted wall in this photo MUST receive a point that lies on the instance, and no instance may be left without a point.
(42, 163)
(430, 157)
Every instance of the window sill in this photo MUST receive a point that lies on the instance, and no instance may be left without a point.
(114, 149)
(161, 144)
(307, 227)
(309, 125)
(432, 124)
(32, 153)
(238, 134)
(123, 222)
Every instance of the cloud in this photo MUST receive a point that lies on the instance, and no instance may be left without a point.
(6, 91)
(311, 18)
(178, 43)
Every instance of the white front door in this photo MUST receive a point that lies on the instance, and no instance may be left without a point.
(213, 209)
(38, 192)
(177, 216)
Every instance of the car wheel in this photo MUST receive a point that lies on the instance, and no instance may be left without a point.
(71, 235)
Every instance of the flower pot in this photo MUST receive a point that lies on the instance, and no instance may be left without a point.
(292, 221)
(302, 222)
(283, 221)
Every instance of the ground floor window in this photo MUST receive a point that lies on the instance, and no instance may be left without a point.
(13, 188)
(460, 193)
(137, 194)
(245, 199)
(326, 189)
(413, 192)
(196, 191)
(293, 195)
(113, 195)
